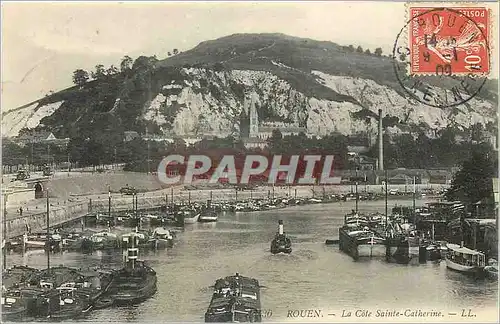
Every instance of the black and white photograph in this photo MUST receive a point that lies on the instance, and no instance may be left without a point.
(250, 161)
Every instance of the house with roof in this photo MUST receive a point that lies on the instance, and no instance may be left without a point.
(403, 176)
(353, 176)
(253, 142)
(266, 131)
(45, 137)
(130, 135)
(362, 162)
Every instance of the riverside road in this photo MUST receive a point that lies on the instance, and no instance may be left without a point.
(316, 281)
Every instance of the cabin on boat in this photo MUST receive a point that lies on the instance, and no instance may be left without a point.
(465, 256)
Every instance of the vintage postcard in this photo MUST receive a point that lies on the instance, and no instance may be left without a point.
(246, 161)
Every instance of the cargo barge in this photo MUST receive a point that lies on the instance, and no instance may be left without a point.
(235, 299)
(357, 240)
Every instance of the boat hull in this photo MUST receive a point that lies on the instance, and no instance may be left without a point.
(134, 300)
(348, 244)
(281, 249)
(131, 295)
(104, 302)
(281, 244)
(191, 220)
(371, 250)
(358, 247)
(462, 268)
(491, 272)
(74, 313)
(207, 219)
(14, 315)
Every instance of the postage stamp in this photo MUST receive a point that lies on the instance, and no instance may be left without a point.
(442, 55)
(449, 40)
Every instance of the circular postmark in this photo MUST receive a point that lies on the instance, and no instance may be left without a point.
(441, 55)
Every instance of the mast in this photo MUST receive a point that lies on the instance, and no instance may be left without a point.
(4, 242)
(48, 231)
(386, 198)
(357, 195)
(462, 218)
(148, 148)
(109, 202)
(414, 197)
(133, 252)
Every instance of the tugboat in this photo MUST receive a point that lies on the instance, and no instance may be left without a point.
(134, 283)
(235, 299)
(281, 243)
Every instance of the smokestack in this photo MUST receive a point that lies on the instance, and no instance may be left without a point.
(280, 227)
(380, 142)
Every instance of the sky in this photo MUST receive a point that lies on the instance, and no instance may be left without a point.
(43, 43)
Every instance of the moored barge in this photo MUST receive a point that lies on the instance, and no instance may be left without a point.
(357, 240)
(235, 299)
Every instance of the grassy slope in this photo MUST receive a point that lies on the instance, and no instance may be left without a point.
(256, 51)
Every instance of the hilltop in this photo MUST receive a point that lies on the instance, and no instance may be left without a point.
(320, 85)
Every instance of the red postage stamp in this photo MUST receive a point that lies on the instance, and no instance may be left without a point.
(446, 41)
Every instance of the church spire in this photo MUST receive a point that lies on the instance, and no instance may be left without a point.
(254, 118)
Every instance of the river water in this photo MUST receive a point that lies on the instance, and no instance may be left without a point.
(315, 276)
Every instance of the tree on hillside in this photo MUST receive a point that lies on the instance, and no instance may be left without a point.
(99, 73)
(126, 63)
(368, 52)
(359, 49)
(80, 77)
(476, 132)
(111, 70)
(378, 51)
(176, 51)
(169, 54)
(351, 48)
(473, 182)
(145, 63)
